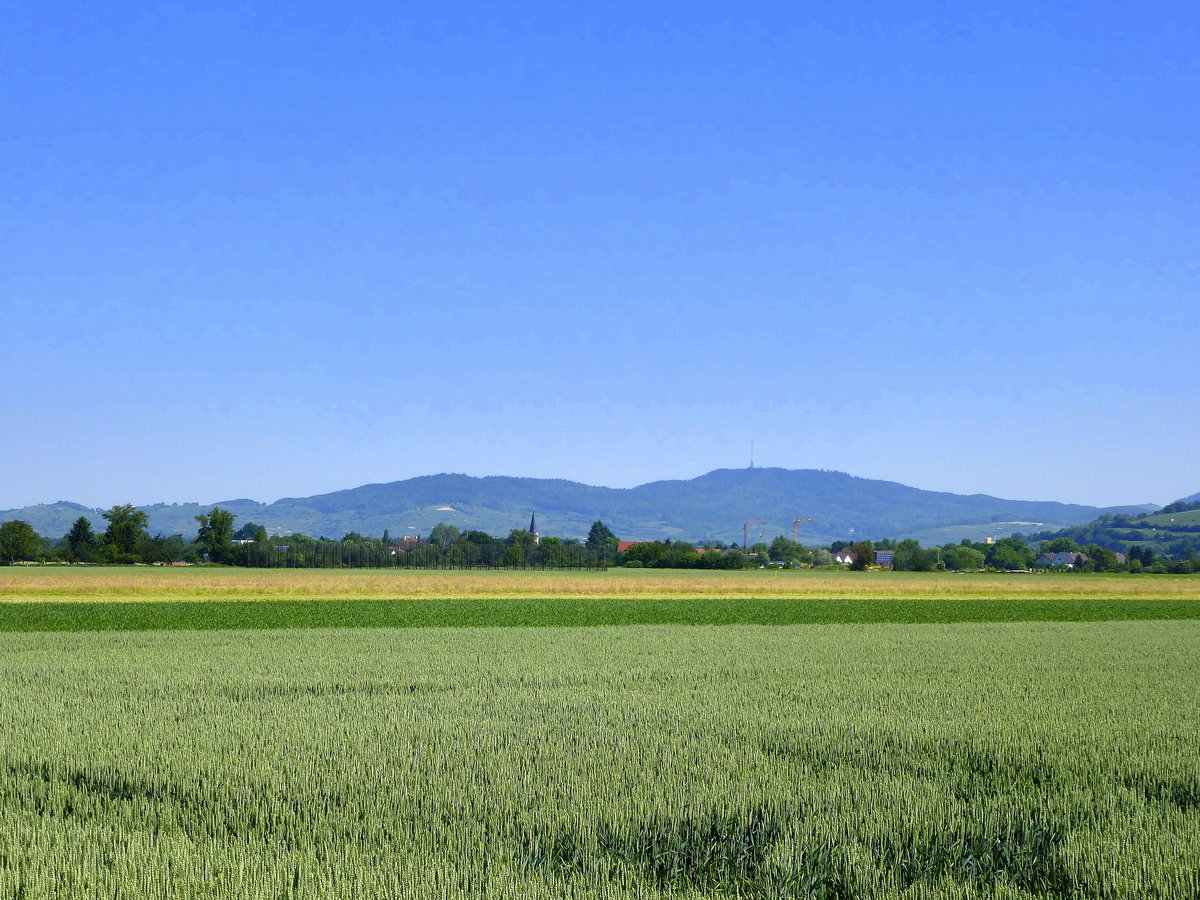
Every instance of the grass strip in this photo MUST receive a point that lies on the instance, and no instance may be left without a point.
(559, 611)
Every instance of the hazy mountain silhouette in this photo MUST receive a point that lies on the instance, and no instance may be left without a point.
(710, 507)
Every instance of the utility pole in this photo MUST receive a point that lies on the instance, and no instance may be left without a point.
(796, 529)
(746, 532)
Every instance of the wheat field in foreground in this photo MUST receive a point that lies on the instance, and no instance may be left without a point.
(1014, 761)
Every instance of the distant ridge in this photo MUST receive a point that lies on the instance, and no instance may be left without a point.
(710, 507)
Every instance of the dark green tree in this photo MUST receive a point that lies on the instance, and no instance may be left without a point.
(18, 540)
(81, 541)
(601, 539)
(519, 537)
(599, 536)
(514, 555)
(125, 532)
(734, 559)
(551, 552)
(1102, 558)
(1007, 558)
(246, 532)
(1009, 553)
(906, 552)
(787, 552)
(963, 558)
(864, 555)
(680, 555)
(215, 534)
(162, 549)
(911, 557)
(1060, 545)
(646, 553)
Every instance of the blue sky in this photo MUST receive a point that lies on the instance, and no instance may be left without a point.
(260, 251)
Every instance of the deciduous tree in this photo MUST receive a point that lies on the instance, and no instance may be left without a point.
(126, 530)
(1061, 545)
(215, 534)
(443, 535)
(246, 532)
(822, 557)
(519, 537)
(964, 559)
(1009, 553)
(18, 540)
(786, 551)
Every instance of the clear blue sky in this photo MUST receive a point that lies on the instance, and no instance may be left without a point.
(264, 250)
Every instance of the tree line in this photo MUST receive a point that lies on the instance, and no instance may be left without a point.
(1006, 554)
(126, 540)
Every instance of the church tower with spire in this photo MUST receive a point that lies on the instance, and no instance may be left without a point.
(533, 527)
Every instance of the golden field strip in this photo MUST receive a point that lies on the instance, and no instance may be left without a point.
(142, 584)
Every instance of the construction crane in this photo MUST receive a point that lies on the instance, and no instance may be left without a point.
(796, 529)
(746, 533)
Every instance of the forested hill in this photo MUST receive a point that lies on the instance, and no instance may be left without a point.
(710, 507)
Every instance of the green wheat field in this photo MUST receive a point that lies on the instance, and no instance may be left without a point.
(290, 758)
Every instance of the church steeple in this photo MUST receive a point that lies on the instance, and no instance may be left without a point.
(533, 527)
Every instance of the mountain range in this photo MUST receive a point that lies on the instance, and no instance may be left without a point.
(710, 507)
